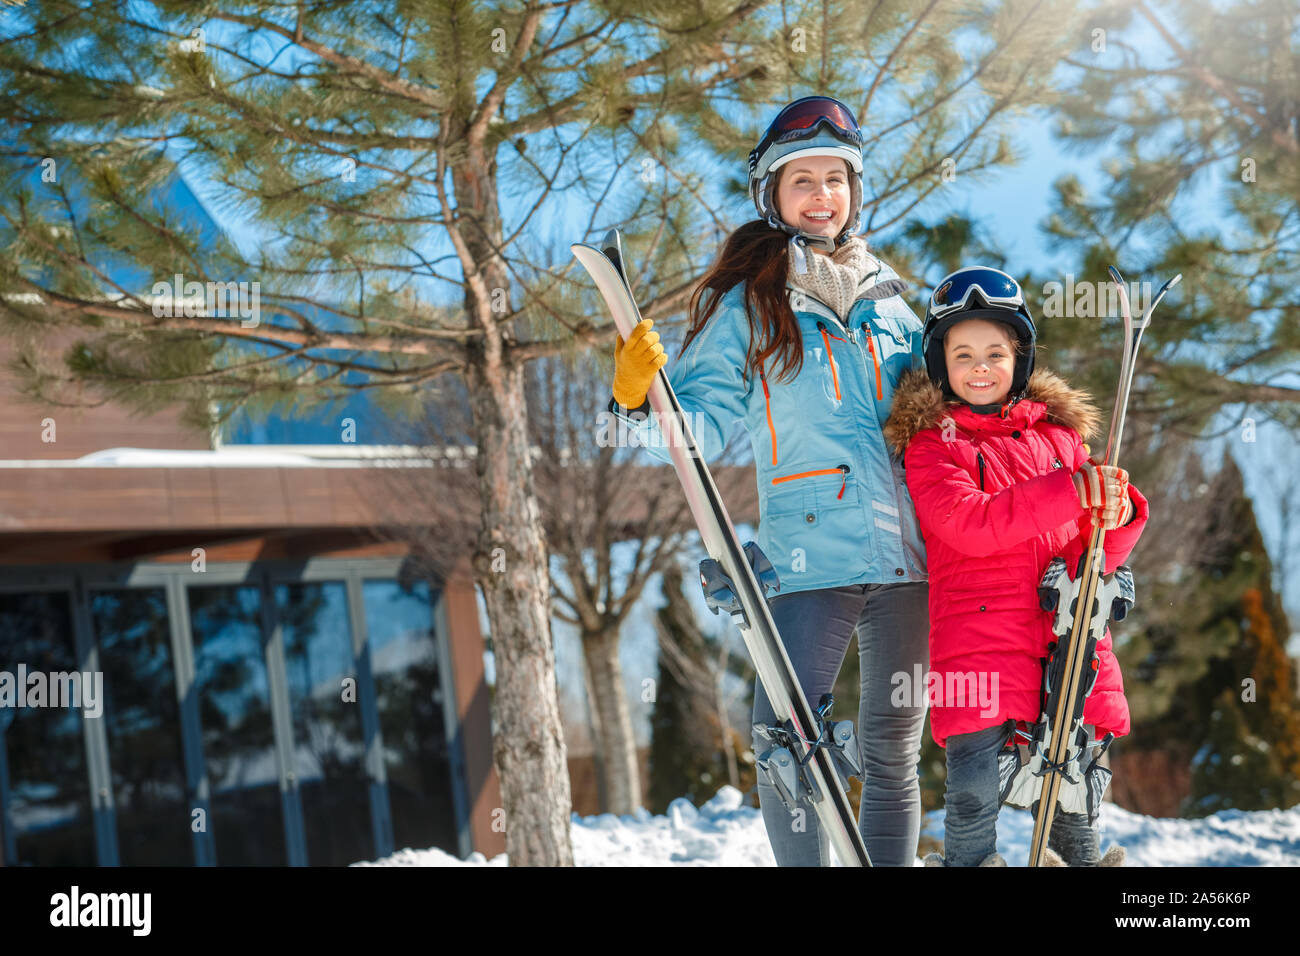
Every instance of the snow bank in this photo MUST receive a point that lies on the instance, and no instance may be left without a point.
(724, 832)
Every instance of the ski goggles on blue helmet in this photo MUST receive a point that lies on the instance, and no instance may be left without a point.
(995, 287)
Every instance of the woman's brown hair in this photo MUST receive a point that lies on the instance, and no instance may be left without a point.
(757, 256)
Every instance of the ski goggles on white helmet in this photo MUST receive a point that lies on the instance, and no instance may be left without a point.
(995, 287)
(812, 126)
(802, 120)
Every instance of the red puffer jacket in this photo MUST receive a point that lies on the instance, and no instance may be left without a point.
(996, 502)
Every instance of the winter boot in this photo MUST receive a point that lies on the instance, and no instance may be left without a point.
(993, 859)
(1115, 856)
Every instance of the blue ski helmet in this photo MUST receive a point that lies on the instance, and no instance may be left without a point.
(978, 292)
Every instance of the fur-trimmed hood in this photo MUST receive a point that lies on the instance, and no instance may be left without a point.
(918, 405)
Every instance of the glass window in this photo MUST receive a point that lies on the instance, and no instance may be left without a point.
(408, 685)
(328, 749)
(235, 714)
(45, 793)
(143, 727)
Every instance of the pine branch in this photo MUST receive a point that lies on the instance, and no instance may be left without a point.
(495, 96)
(403, 89)
(1214, 82)
(265, 333)
(894, 52)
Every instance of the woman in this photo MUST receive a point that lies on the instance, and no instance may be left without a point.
(799, 332)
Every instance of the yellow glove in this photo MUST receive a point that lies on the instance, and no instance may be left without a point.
(636, 363)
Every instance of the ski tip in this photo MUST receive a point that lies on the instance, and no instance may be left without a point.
(1175, 280)
(612, 241)
(1114, 274)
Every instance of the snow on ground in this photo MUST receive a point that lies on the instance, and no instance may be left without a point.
(724, 832)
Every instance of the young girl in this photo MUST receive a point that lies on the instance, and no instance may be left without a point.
(997, 466)
(800, 333)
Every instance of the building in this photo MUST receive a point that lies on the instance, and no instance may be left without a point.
(278, 681)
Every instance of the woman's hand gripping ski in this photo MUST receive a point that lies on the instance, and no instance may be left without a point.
(636, 363)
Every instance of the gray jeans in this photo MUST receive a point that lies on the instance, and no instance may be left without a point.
(971, 805)
(893, 624)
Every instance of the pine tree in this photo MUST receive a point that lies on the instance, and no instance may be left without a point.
(1210, 685)
(693, 747)
(1196, 103)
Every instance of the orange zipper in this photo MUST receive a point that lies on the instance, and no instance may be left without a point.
(880, 392)
(871, 347)
(767, 400)
(822, 471)
(831, 357)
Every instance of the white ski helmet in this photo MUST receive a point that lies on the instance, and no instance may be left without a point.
(812, 126)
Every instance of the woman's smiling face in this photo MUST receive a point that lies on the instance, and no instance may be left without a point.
(813, 194)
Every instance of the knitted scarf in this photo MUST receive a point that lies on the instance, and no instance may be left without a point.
(836, 278)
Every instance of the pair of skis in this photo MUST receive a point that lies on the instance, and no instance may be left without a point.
(1082, 607)
(808, 756)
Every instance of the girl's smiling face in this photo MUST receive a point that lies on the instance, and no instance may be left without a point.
(813, 194)
(981, 361)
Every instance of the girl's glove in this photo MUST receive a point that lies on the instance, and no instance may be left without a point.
(1103, 487)
(636, 363)
(1116, 516)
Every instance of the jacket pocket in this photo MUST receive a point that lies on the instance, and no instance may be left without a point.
(800, 476)
(812, 522)
(893, 344)
(809, 494)
(830, 360)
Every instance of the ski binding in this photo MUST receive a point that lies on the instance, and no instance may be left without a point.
(791, 777)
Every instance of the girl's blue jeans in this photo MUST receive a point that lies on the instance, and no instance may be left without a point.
(971, 806)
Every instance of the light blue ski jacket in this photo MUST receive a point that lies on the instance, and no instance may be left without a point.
(834, 508)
